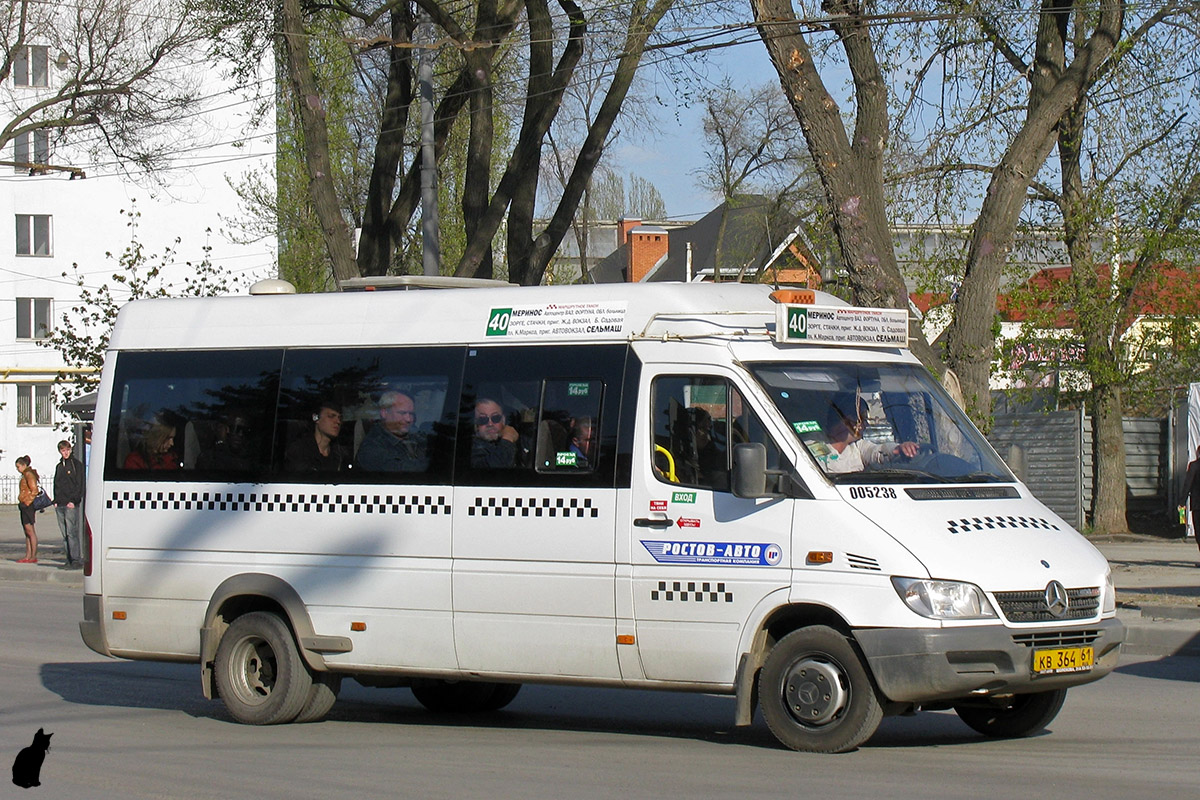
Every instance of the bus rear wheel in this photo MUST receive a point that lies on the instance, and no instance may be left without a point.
(321, 697)
(260, 674)
(815, 694)
(462, 697)
(1017, 716)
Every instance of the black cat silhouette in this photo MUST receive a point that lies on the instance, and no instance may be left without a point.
(28, 766)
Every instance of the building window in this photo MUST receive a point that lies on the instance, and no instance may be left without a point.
(31, 66)
(33, 234)
(33, 317)
(33, 404)
(31, 148)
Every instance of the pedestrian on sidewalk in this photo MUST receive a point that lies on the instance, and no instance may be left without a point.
(1191, 486)
(25, 497)
(68, 500)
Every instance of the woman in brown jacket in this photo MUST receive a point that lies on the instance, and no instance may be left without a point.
(29, 490)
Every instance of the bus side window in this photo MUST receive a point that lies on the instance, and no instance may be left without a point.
(569, 424)
(200, 416)
(528, 417)
(394, 409)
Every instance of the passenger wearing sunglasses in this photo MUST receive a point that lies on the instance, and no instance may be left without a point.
(394, 444)
(495, 442)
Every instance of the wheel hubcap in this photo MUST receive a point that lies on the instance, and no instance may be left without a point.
(256, 676)
(815, 691)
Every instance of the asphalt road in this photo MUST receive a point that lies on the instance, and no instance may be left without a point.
(137, 729)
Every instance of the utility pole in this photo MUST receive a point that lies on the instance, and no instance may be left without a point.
(430, 247)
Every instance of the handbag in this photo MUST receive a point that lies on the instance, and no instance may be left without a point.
(42, 501)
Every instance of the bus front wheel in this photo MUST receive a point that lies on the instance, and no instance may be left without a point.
(260, 674)
(815, 694)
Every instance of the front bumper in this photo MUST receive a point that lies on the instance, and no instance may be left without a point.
(921, 666)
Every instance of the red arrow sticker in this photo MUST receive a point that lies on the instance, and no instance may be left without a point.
(684, 522)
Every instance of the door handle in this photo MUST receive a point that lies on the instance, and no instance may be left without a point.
(644, 522)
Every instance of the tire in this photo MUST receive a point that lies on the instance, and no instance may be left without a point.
(259, 671)
(502, 695)
(463, 697)
(321, 697)
(815, 694)
(1021, 715)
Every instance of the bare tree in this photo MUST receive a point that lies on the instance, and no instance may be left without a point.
(474, 40)
(108, 76)
(644, 199)
(751, 150)
(852, 164)
(750, 146)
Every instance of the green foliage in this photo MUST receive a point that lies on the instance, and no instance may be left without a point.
(81, 336)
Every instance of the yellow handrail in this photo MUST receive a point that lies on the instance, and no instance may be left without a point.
(658, 448)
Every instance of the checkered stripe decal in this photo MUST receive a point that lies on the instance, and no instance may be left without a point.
(992, 523)
(533, 507)
(281, 501)
(710, 592)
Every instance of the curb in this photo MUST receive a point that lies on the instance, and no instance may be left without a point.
(1149, 634)
(11, 571)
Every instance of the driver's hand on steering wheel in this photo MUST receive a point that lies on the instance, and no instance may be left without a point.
(907, 449)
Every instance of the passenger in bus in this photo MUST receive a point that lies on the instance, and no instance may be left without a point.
(847, 417)
(582, 433)
(711, 461)
(156, 450)
(318, 451)
(495, 442)
(228, 450)
(393, 445)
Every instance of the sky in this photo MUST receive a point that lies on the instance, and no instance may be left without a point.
(669, 157)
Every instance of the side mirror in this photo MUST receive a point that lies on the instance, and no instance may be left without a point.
(749, 470)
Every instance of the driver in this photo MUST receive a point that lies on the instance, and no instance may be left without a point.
(851, 453)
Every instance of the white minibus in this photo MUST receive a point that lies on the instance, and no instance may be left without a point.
(712, 488)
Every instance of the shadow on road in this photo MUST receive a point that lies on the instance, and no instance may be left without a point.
(1170, 668)
(697, 717)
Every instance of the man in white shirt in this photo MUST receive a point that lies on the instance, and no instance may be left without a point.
(852, 453)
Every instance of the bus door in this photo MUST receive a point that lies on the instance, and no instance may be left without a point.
(702, 558)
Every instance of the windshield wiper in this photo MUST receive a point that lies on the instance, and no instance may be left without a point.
(980, 477)
(889, 476)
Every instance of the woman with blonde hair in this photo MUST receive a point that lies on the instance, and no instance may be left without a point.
(25, 497)
(157, 450)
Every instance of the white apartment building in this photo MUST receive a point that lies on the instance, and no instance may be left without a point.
(55, 218)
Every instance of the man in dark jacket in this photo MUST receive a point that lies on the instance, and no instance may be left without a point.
(68, 499)
(495, 442)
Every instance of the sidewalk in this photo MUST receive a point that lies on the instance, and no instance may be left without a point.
(1158, 582)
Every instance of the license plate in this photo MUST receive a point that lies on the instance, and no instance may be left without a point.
(1063, 659)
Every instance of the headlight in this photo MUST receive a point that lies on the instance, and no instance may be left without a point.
(944, 599)
(1110, 594)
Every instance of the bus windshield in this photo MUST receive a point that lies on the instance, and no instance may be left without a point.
(880, 423)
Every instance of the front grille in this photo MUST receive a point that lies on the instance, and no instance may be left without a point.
(1056, 638)
(1030, 606)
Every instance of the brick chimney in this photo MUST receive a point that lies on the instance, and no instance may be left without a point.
(647, 247)
(625, 225)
